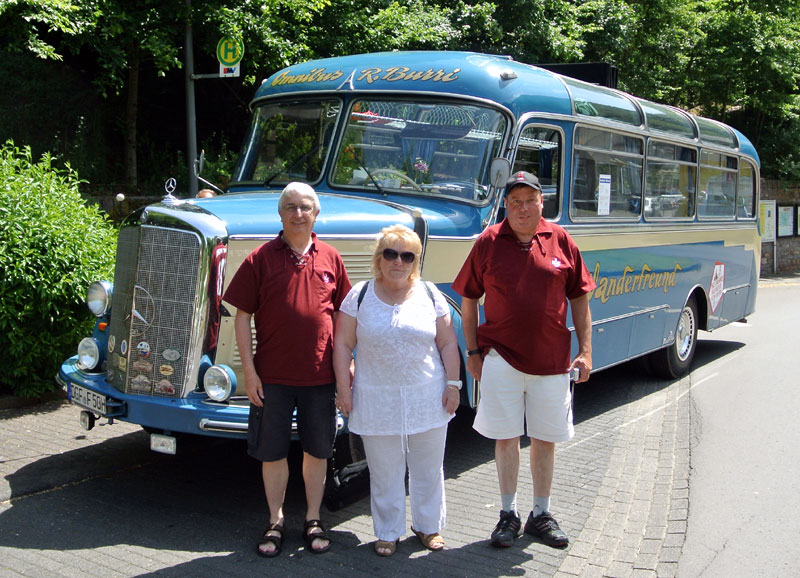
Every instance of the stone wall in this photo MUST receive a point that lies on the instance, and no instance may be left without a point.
(788, 248)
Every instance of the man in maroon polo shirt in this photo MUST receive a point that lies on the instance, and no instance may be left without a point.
(528, 269)
(293, 285)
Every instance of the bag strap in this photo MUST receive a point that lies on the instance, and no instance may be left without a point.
(361, 294)
(426, 284)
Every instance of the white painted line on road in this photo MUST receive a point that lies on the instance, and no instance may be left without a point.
(594, 435)
(648, 414)
(666, 405)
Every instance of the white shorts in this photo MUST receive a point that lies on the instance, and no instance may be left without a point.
(511, 400)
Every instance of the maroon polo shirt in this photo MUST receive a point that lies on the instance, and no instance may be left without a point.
(293, 307)
(526, 294)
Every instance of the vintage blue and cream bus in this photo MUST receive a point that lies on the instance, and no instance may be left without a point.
(660, 201)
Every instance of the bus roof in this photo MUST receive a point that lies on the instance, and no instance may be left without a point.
(519, 87)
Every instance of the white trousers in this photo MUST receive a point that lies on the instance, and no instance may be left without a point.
(387, 457)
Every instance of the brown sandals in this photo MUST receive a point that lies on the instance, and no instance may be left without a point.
(433, 542)
(388, 547)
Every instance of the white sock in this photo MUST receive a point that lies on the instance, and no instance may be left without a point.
(540, 505)
(509, 502)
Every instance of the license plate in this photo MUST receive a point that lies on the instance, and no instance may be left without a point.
(88, 399)
(163, 444)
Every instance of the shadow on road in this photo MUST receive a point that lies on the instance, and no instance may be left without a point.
(628, 382)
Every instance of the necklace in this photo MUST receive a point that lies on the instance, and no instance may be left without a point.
(300, 259)
(525, 246)
(395, 296)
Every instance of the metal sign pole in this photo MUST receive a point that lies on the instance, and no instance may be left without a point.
(191, 121)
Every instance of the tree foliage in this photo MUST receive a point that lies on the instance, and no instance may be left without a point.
(283, 32)
(111, 30)
(30, 23)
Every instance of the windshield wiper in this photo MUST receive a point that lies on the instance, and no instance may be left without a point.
(350, 149)
(293, 164)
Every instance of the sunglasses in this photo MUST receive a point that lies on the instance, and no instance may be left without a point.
(406, 256)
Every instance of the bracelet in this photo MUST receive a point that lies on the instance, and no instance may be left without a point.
(455, 383)
(471, 352)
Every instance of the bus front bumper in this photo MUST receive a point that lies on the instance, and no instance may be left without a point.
(193, 414)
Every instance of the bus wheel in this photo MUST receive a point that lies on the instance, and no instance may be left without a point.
(675, 360)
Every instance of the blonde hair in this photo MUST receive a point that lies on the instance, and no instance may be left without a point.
(391, 234)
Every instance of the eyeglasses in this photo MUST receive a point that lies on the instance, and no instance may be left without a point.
(291, 208)
(406, 256)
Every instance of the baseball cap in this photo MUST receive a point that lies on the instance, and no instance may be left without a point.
(523, 178)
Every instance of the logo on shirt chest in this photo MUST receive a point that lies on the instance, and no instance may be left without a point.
(327, 277)
(556, 263)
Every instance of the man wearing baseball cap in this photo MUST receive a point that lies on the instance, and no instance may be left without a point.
(528, 270)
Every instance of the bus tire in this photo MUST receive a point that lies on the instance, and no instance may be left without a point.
(675, 360)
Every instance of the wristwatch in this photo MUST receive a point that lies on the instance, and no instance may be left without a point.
(455, 383)
(471, 352)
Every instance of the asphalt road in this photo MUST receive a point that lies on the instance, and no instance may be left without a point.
(745, 457)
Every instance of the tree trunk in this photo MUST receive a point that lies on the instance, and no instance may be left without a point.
(131, 111)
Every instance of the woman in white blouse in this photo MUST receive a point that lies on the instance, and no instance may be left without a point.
(405, 389)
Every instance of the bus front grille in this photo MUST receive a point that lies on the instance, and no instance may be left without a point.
(153, 310)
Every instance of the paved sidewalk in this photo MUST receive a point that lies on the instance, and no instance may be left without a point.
(99, 503)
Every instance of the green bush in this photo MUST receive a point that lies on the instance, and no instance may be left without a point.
(52, 245)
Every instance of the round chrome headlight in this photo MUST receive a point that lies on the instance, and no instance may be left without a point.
(98, 297)
(88, 353)
(219, 382)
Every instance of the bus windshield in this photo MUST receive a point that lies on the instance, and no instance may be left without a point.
(434, 148)
(288, 141)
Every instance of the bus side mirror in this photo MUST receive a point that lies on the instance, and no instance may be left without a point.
(199, 164)
(499, 171)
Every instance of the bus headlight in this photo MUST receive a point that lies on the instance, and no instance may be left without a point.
(88, 353)
(98, 297)
(219, 382)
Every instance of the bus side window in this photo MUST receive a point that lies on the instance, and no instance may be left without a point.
(718, 175)
(607, 175)
(539, 153)
(746, 192)
(670, 181)
(584, 203)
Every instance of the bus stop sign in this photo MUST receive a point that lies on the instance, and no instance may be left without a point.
(229, 55)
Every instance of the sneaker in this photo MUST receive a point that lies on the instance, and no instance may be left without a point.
(546, 528)
(506, 530)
